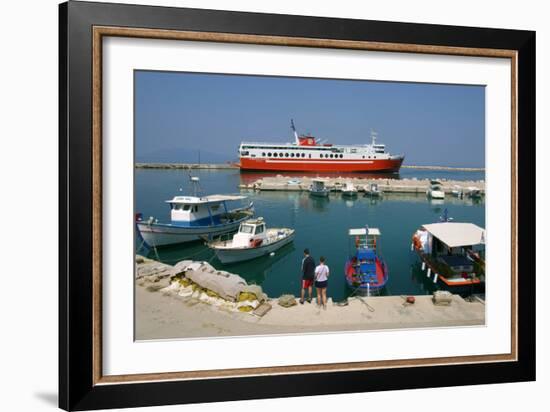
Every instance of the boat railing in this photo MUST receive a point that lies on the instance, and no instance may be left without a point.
(222, 238)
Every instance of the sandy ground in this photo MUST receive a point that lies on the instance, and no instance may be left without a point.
(162, 315)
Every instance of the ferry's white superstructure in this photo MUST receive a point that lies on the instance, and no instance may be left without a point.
(306, 154)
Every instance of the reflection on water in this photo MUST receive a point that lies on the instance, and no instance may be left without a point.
(321, 225)
(247, 177)
(419, 278)
(318, 204)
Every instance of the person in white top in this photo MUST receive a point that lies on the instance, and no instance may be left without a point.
(322, 273)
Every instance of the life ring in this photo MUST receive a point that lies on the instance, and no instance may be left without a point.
(416, 242)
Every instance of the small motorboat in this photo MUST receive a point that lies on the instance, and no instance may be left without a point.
(474, 192)
(194, 218)
(457, 191)
(318, 188)
(373, 190)
(349, 190)
(435, 191)
(251, 241)
(365, 271)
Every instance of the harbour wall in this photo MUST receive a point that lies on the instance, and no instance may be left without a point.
(416, 186)
(207, 166)
(232, 165)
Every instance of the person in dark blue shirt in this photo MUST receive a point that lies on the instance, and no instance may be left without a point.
(308, 274)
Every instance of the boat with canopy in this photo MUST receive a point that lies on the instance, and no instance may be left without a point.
(453, 253)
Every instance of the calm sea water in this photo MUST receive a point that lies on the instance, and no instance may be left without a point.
(321, 225)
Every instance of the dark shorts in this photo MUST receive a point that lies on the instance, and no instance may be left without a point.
(307, 283)
(321, 285)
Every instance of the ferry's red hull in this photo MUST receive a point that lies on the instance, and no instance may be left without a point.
(332, 165)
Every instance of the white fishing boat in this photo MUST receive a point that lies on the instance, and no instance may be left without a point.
(349, 190)
(373, 190)
(251, 241)
(473, 192)
(435, 191)
(457, 191)
(194, 218)
(318, 188)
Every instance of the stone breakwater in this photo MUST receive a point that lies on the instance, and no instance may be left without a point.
(448, 168)
(293, 183)
(202, 166)
(234, 165)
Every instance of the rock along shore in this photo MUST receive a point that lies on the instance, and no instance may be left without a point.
(164, 312)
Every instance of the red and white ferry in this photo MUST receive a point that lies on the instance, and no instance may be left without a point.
(308, 155)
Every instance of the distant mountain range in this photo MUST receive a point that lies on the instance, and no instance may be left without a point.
(184, 155)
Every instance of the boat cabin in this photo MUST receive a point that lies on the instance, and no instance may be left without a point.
(365, 238)
(318, 185)
(435, 185)
(458, 247)
(252, 233)
(200, 211)
(349, 187)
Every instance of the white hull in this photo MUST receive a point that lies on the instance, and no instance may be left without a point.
(436, 194)
(318, 193)
(228, 255)
(155, 234)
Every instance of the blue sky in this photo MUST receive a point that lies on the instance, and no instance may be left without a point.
(178, 114)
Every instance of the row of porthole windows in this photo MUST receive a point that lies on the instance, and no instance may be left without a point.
(332, 156)
(284, 155)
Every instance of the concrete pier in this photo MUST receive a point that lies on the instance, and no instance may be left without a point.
(294, 183)
(162, 312)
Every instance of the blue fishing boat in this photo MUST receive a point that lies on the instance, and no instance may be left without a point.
(365, 271)
(194, 218)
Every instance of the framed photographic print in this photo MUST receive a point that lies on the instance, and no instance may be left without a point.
(256, 205)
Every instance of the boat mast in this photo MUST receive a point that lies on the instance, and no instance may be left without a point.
(296, 140)
(373, 136)
(195, 185)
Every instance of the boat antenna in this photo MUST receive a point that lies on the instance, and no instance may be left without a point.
(195, 184)
(373, 136)
(296, 140)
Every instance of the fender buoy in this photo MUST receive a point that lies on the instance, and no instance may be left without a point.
(357, 241)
